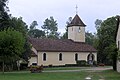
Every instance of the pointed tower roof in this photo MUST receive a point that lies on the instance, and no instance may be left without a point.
(76, 22)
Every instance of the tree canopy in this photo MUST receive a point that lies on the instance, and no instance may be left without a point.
(11, 45)
(50, 27)
(106, 39)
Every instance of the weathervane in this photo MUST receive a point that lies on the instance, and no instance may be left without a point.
(76, 9)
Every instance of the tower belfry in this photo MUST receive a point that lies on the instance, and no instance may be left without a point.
(76, 29)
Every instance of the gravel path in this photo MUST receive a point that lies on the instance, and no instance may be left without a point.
(93, 69)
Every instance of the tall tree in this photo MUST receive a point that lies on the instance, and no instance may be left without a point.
(98, 24)
(35, 33)
(50, 27)
(33, 25)
(89, 38)
(4, 17)
(11, 45)
(106, 34)
(65, 35)
(19, 25)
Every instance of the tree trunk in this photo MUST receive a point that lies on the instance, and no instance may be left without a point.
(3, 69)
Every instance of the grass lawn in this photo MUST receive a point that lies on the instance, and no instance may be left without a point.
(107, 75)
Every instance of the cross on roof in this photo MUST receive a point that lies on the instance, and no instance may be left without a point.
(76, 9)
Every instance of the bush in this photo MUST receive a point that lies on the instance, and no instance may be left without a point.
(81, 63)
(23, 66)
(70, 65)
(95, 63)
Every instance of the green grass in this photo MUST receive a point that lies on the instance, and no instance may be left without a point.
(107, 75)
(65, 68)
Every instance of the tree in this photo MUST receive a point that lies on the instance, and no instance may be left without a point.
(98, 24)
(4, 17)
(89, 38)
(50, 27)
(106, 37)
(33, 25)
(19, 25)
(65, 35)
(11, 45)
(36, 33)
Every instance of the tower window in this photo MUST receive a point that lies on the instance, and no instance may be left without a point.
(44, 57)
(79, 29)
(60, 57)
(76, 56)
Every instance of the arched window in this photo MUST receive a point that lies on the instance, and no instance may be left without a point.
(44, 57)
(60, 57)
(91, 58)
(76, 56)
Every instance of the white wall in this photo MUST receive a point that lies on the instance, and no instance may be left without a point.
(75, 35)
(118, 39)
(32, 60)
(68, 57)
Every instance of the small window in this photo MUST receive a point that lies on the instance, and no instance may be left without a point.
(44, 57)
(79, 29)
(60, 57)
(118, 44)
(76, 56)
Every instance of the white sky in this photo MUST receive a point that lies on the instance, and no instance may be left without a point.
(61, 10)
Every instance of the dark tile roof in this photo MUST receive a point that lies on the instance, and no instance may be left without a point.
(52, 45)
(76, 22)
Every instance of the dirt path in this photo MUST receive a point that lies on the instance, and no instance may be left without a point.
(93, 69)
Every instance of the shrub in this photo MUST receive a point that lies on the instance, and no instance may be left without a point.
(81, 63)
(70, 65)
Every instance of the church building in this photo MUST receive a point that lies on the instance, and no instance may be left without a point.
(118, 42)
(63, 51)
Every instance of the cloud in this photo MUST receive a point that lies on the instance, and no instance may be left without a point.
(88, 10)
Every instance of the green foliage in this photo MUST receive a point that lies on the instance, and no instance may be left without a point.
(50, 28)
(36, 33)
(106, 41)
(65, 35)
(81, 62)
(98, 24)
(33, 25)
(89, 38)
(18, 24)
(11, 44)
(4, 17)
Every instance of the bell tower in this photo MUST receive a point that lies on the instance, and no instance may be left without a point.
(76, 29)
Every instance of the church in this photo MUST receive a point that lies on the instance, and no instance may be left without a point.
(118, 41)
(63, 51)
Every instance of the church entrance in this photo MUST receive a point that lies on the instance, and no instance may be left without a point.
(90, 59)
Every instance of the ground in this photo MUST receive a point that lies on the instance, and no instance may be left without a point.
(69, 73)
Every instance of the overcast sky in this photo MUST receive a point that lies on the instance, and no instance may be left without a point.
(61, 10)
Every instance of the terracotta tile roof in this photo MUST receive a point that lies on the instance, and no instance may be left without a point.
(52, 45)
(76, 22)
